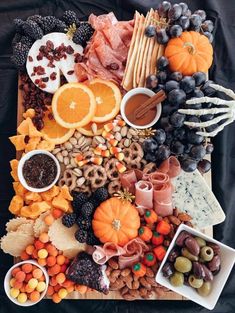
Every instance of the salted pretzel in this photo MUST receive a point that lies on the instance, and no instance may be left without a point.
(95, 175)
(68, 179)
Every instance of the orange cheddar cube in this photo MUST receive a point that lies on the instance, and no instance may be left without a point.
(50, 194)
(16, 204)
(60, 203)
(18, 142)
(64, 193)
(29, 113)
(19, 189)
(33, 196)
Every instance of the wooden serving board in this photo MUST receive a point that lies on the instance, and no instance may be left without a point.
(113, 295)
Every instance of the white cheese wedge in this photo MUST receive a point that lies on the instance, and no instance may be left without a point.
(63, 66)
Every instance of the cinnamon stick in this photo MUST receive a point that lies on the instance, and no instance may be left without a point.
(149, 104)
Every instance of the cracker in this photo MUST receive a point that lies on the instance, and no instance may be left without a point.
(71, 253)
(14, 223)
(15, 242)
(26, 229)
(40, 226)
(62, 237)
(153, 67)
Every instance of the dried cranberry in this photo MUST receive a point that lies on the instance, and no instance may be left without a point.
(30, 58)
(50, 116)
(78, 58)
(53, 76)
(37, 81)
(50, 44)
(70, 72)
(45, 79)
(69, 50)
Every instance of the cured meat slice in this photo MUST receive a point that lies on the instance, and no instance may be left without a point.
(171, 167)
(144, 194)
(128, 180)
(158, 178)
(134, 251)
(162, 199)
(102, 254)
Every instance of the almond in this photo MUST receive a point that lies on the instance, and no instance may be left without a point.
(113, 264)
(174, 220)
(184, 217)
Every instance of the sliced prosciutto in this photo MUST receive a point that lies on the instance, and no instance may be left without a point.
(144, 194)
(170, 166)
(106, 54)
(128, 180)
(102, 254)
(162, 199)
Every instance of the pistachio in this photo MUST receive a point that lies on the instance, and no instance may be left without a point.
(94, 128)
(99, 139)
(59, 157)
(77, 172)
(66, 160)
(81, 141)
(116, 129)
(64, 153)
(80, 181)
(56, 150)
(118, 136)
(73, 141)
(68, 146)
(124, 131)
(133, 131)
(73, 162)
(77, 135)
(127, 143)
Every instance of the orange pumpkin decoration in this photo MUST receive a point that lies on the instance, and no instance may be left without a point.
(116, 221)
(189, 53)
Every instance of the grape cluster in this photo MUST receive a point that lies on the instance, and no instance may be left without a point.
(172, 137)
(176, 18)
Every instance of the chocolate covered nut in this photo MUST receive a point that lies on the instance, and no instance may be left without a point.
(192, 245)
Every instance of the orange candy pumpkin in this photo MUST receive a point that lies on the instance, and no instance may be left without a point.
(116, 221)
(189, 53)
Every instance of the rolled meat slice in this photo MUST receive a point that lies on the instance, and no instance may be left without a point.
(171, 167)
(144, 194)
(102, 254)
(128, 180)
(162, 199)
(158, 178)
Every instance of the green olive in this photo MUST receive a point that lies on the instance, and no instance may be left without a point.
(201, 242)
(182, 264)
(206, 253)
(195, 282)
(205, 289)
(177, 279)
(189, 255)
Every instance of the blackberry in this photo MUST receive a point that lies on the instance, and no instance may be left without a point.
(68, 220)
(94, 201)
(83, 34)
(27, 41)
(79, 198)
(35, 18)
(87, 209)
(47, 24)
(81, 235)
(19, 56)
(84, 223)
(101, 194)
(70, 17)
(16, 39)
(91, 238)
(32, 29)
(18, 25)
(60, 26)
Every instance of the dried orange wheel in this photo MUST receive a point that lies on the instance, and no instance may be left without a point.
(73, 105)
(92, 129)
(52, 131)
(108, 98)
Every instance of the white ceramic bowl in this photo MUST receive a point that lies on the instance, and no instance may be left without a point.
(28, 156)
(135, 91)
(8, 278)
(227, 262)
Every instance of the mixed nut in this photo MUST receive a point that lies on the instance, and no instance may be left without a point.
(193, 262)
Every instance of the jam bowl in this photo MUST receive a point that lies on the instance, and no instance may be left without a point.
(38, 170)
(131, 101)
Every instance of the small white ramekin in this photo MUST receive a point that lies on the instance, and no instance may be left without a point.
(133, 92)
(28, 156)
(8, 278)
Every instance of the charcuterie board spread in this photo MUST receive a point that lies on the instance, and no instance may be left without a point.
(112, 144)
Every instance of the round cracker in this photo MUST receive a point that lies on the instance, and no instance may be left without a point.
(26, 229)
(71, 253)
(15, 243)
(40, 226)
(14, 223)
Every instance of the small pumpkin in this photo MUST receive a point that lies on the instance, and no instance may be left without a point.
(189, 53)
(116, 221)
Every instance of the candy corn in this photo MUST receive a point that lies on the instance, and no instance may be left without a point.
(120, 167)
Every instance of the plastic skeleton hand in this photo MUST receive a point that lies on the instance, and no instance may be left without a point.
(227, 113)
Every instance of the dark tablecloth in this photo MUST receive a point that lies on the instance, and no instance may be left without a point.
(223, 159)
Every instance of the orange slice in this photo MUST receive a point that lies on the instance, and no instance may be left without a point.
(108, 98)
(92, 129)
(73, 105)
(52, 131)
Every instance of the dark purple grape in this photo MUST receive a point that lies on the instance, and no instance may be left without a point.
(208, 91)
(184, 22)
(164, 122)
(184, 7)
(168, 270)
(151, 81)
(193, 119)
(209, 36)
(177, 147)
(195, 21)
(207, 26)
(150, 145)
(177, 76)
(161, 36)
(204, 166)
(160, 136)
(188, 165)
(169, 138)
(179, 133)
(162, 63)
(163, 153)
(198, 152)
(187, 147)
(150, 157)
(209, 148)
(176, 96)
(175, 12)
(177, 119)
(163, 8)
(187, 83)
(150, 31)
(206, 117)
(193, 138)
(175, 31)
(162, 76)
(197, 93)
(168, 109)
(171, 85)
(200, 78)
(188, 13)
(211, 128)
(201, 13)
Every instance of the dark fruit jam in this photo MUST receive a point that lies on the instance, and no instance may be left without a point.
(39, 171)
